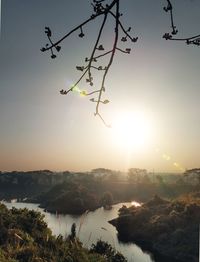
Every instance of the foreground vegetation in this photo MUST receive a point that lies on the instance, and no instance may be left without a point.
(170, 229)
(25, 237)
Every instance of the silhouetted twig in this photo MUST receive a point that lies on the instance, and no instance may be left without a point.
(195, 40)
(100, 8)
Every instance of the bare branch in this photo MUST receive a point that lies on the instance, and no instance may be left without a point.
(96, 44)
(100, 9)
(195, 40)
(123, 29)
(127, 51)
(96, 57)
(111, 59)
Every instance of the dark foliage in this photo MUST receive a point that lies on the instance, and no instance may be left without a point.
(107, 251)
(169, 228)
(25, 237)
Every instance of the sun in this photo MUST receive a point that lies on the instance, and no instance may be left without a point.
(132, 130)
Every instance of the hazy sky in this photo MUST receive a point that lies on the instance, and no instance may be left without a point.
(40, 129)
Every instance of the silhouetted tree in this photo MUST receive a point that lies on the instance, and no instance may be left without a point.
(135, 175)
(159, 179)
(193, 174)
(107, 199)
(146, 179)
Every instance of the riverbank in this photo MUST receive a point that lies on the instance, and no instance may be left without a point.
(169, 229)
(24, 236)
(91, 227)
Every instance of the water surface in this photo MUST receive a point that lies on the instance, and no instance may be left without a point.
(91, 227)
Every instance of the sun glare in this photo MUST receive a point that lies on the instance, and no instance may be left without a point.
(132, 131)
(135, 204)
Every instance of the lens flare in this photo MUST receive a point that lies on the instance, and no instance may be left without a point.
(168, 158)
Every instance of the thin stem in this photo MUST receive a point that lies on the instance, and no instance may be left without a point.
(71, 88)
(99, 9)
(169, 36)
(122, 27)
(111, 59)
(94, 92)
(97, 42)
(121, 50)
(96, 57)
(81, 25)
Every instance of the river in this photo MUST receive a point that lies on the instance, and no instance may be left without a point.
(91, 227)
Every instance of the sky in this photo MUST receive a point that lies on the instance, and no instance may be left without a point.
(154, 92)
